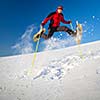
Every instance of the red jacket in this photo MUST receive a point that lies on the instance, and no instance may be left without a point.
(55, 19)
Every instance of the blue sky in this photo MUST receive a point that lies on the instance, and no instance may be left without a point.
(17, 15)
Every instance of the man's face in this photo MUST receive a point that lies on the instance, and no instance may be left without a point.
(59, 10)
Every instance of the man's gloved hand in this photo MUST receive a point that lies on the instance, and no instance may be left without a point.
(69, 22)
(42, 24)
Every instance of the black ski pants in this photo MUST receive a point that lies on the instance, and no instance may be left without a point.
(51, 31)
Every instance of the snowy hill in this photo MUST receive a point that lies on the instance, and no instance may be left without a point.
(72, 73)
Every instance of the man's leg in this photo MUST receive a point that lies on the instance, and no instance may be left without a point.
(49, 35)
(66, 29)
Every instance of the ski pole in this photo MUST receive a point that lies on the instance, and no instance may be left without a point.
(36, 50)
(80, 51)
(34, 58)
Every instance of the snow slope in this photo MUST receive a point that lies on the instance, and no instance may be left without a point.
(72, 73)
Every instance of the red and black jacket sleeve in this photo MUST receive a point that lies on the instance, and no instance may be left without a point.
(64, 21)
(49, 17)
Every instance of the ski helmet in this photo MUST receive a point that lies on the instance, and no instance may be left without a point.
(60, 7)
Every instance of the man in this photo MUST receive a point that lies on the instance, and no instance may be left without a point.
(54, 26)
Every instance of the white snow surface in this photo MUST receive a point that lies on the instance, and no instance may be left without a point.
(72, 73)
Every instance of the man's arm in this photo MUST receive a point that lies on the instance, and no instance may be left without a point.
(49, 17)
(64, 21)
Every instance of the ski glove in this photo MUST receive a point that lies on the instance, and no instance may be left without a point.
(69, 22)
(42, 24)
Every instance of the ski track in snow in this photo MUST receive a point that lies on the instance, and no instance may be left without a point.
(57, 68)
